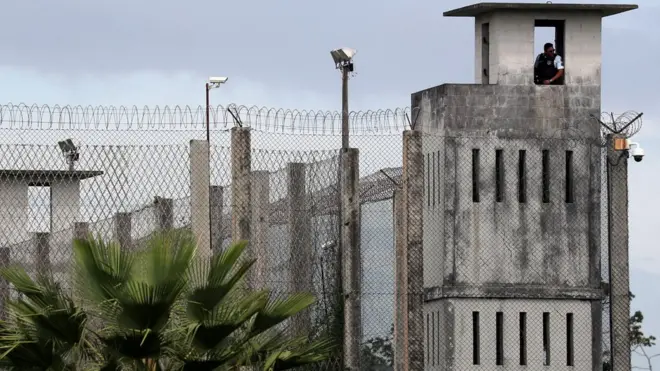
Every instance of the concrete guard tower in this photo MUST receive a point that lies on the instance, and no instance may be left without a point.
(64, 201)
(512, 275)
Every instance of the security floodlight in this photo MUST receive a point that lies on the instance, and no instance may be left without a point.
(212, 83)
(216, 81)
(343, 56)
(70, 151)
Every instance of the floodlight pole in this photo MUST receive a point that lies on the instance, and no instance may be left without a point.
(344, 107)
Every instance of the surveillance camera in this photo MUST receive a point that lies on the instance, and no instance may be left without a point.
(636, 152)
(218, 79)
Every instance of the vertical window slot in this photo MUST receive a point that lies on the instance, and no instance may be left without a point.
(570, 183)
(434, 172)
(546, 339)
(428, 180)
(475, 175)
(499, 175)
(499, 339)
(523, 338)
(476, 342)
(570, 355)
(522, 176)
(545, 169)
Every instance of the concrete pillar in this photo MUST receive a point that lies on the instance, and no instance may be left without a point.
(400, 282)
(413, 210)
(200, 211)
(5, 253)
(617, 188)
(260, 226)
(64, 204)
(351, 256)
(13, 211)
(122, 232)
(241, 191)
(80, 230)
(217, 200)
(299, 242)
(164, 208)
(42, 252)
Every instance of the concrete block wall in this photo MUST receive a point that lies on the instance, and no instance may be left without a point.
(512, 53)
(450, 337)
(507, 255)
(506, 242)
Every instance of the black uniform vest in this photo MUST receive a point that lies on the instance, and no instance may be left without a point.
(544, 68)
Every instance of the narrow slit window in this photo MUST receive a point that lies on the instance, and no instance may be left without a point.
(499, 339)
(433, 167)
(545, 170)
(523, 338)
(522, 176)
(570, 355)
(499, 175)
(437, 329)
(476, 342)
(428, 180)
(570, 183)
(485, 53)
(438, 172)
(432, 337)
(546, 339)
(475, 175)
(428, 337)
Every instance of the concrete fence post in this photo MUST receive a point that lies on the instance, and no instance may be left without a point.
(123, 230)
(351, 257)
(5, 253)
(260, 226)
(299, 241)
(413, 210)
(241, 191)
(200, 218)
(164, 208)
(42, 252)
(217, 200)
(617, 211)
(400, 280)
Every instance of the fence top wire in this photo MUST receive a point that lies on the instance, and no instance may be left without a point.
(276, 120)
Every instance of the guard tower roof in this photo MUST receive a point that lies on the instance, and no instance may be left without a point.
(481, 8)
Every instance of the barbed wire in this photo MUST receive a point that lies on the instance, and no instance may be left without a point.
(277, 120)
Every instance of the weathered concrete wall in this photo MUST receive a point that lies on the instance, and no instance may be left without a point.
(489, 243)
(508, 111)
(504, 253)
(450, 332)
(64, 204)
(13, 212)
(512, 53)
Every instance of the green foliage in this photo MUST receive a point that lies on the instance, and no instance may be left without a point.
(162, 308)
(378, 352)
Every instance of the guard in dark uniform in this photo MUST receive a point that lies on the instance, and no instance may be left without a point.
(548, 67)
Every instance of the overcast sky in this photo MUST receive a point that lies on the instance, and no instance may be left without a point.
(276, 54)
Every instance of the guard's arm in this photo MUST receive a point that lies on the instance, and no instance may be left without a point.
(560, 69)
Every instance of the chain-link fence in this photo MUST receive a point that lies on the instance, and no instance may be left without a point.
(494, 252)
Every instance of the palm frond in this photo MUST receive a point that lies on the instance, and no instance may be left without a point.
(279, 310)
(299, 353)
(102, 268)
(212, 282)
